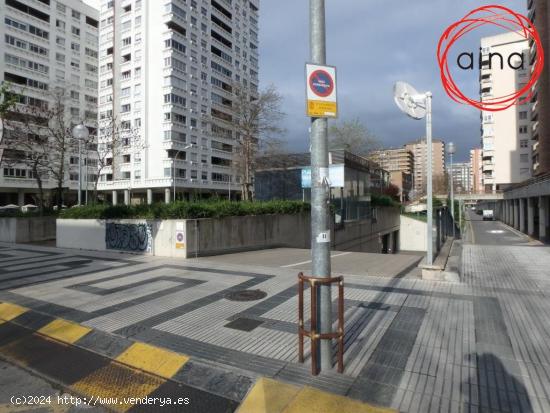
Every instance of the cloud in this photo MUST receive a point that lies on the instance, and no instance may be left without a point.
(373, 44)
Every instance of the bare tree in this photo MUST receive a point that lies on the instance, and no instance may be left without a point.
(352, 136)
(7, 101)
(117, 137)
(40, 137)
(256, 119)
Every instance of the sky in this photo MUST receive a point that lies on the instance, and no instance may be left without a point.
(373, 44)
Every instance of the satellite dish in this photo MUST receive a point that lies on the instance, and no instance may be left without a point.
(409, 100)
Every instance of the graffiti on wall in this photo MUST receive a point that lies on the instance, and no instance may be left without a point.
(128, 237)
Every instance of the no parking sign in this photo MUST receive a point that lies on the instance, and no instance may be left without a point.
(321, 91)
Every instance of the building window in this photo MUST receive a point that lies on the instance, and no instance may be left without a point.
(523, 114)
(523, 158)
(524, 143)
(523, 129)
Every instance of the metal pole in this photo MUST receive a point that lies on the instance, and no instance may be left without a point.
(429, 190)
(230, 187)
(79, 172)
(452, 196)
(320, 226)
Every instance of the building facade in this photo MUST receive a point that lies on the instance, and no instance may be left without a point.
(476, 170)
(48, 46)
(461, 176)
(166, 78)
(400, 164)
(506, 134)
(540, 16)
(419, 150)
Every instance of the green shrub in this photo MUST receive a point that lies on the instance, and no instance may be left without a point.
(383, 201)
(185, 210)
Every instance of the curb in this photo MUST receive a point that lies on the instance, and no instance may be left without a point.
(99, 366)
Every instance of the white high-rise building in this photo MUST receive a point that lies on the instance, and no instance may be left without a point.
(166, 74)
(48, 44)
(506, 135)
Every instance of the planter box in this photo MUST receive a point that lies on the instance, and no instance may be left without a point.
(27, 229)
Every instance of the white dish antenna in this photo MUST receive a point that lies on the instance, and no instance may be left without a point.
(409, 100)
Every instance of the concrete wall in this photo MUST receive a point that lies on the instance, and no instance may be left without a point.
(232, 234)
(27, 229)
(366, 235)
(412, 235)
(163, 236)
(205, 237)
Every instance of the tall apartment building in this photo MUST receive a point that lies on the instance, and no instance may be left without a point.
(400, 163)
(391, 160)
(476, 170)
(540, 16)
(506, 135)
(419, 150)
(166, 75)
(48, 45)
(461, 174)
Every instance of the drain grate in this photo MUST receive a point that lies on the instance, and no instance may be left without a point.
(246, 295)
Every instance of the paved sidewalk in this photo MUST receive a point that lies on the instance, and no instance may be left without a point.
(414, 345)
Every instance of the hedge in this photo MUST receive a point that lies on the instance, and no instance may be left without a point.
(184, 210)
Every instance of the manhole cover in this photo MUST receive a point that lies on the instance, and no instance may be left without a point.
(246, 295)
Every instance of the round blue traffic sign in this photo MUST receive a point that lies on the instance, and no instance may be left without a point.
(321, 83)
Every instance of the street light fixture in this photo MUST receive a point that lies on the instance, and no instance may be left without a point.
(174, 166)
(81, 133)
(451, 151)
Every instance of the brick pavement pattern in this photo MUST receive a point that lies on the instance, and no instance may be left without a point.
(479, 345)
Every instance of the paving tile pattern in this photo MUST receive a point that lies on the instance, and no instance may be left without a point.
(482, 344)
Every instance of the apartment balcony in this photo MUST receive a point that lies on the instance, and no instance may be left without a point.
(535, 126)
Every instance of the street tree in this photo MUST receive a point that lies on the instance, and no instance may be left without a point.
(117, 137)
(39, 136)
(7, 102)
(256, 119)
(353, 136)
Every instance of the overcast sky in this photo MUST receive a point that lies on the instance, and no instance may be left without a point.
(374, 43)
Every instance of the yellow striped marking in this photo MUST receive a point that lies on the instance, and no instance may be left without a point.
(10, 311)
(114, 385)
(268, 396)
(64, 331)
(311, 400)
(154, 360)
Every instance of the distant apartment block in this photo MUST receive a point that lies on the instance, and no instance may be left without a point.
(476, 170)
(419, 150)
(166, 74)
(48, 46)
(540, 126)
(400, 164)
(461, 176)
(506, 135)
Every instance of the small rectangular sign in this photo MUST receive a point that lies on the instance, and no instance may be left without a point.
(321, 91)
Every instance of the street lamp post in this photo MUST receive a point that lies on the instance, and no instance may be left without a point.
(81, 133)
(451, 151)
(174, 166)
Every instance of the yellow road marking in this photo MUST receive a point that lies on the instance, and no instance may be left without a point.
(112, 386)
(268, 396)
(10, 311)
(163, 363)
(64, 331)
(311, 400)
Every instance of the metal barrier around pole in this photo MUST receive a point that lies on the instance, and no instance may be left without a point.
(313, 332)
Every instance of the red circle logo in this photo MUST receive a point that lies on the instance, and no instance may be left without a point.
(503, 18)
(321, 83)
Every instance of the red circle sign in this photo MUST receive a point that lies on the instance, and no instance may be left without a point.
(503, 18)
(321, 83)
